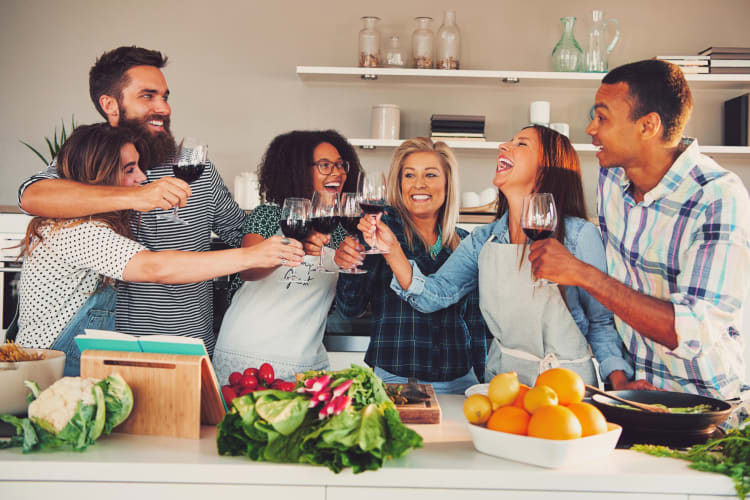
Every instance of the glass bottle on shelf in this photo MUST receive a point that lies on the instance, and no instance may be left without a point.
(598, 50)
(448, 42)
(395, 55)
(369, 43)
(422, 43)
(567, 54)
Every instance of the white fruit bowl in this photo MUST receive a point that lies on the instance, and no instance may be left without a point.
(544, 452)
(12, 375)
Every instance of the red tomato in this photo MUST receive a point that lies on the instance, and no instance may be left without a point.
(248, 382)
(286, 386)
(234, 378)
(266, 374)
(228, 394)
(247, 390)
(251, 371)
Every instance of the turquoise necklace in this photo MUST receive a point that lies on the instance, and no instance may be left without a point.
(435, 249)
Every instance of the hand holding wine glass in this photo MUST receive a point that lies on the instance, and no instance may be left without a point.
(191, 160)
(295, 223)
(325, 218)
(372, 192)
(539, 220)
(350, 216)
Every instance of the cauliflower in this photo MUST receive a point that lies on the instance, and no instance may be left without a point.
(57, 404)
(73, 411)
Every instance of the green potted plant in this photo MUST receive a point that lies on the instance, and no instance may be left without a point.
(53, 144)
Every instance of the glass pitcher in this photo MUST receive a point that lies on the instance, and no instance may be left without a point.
(567, 54)
(597, 51)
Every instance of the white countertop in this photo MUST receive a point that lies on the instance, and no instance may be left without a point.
(447, 461)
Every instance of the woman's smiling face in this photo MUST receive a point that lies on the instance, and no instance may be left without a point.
(334, 181)
(518, 163)
(423, 184)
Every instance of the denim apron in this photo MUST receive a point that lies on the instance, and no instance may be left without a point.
(98, 312)
(532, 327)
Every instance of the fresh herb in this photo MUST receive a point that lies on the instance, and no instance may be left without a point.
(728, 455)
(337, 419)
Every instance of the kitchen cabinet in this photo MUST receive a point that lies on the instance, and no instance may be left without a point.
(528, 79)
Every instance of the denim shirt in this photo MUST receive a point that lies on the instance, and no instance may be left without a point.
(460, 275)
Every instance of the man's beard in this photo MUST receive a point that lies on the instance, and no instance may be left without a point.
(161, 146)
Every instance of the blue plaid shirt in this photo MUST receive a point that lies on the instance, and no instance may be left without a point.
(436, 347)
(687, 242)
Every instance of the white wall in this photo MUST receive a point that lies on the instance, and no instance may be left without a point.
(233, 82)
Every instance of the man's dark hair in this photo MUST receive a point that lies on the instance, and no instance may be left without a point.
(107, 75)
(287, 165)
(659, 87)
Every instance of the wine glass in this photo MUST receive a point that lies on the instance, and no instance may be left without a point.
(325, 218)
(295, 223)
(372, 194)
(350, 214)
(539, 220)
(191, 160)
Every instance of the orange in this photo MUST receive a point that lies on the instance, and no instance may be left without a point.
(509, 419)
(477, 408)
(503, 389)
(566, 383)
(554, 422)
(522, 390)
(591, 419)
(537, 397)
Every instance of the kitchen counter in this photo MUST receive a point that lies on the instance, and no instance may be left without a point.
(123, 466)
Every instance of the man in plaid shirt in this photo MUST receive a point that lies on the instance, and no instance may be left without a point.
(676, 227)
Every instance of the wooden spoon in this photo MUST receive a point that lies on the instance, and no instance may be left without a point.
(641, 406)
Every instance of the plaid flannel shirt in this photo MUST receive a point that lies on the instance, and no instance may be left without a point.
(687, 242)
(438, 346)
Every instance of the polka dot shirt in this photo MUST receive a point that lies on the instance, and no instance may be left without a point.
(61, 274)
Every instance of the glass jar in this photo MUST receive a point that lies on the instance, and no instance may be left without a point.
(369, 43)
(395, 55)
(567, 54)
(422, 44)
(448, 42)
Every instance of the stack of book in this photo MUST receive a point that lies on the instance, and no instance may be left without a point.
(736, 117)
(689, 64)
(457, 127)
(728, 60)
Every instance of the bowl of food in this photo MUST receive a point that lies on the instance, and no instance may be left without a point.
(43, 366)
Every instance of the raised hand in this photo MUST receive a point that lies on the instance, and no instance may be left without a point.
(275, 251)
(163, 193)
(349, 253)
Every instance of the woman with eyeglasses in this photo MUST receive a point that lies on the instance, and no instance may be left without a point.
(272, 320)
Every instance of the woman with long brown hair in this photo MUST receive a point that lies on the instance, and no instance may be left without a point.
(69, 264)
(534, 328)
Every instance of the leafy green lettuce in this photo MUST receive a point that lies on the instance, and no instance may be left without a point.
(278, 426)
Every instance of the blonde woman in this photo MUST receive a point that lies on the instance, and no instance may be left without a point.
(446, 348)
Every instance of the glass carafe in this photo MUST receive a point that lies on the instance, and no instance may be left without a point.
(567, 54)
(369, 43)
(395, 55)
(448, 42)
(598, 51)
(422, 44)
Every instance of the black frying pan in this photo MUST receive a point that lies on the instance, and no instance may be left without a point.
(637, 420)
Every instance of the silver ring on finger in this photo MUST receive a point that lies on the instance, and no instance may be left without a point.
(283, 261)
(285, 241)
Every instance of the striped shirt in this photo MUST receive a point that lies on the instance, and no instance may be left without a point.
(186, 310)
(687, 242)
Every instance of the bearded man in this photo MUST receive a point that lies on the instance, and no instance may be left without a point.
(128, 88)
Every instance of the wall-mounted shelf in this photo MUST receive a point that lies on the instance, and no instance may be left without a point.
(488, 77)
(477, 145)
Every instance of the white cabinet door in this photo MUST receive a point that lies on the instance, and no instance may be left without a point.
(346, 493)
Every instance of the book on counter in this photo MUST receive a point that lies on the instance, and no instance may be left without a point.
(105, 340)
(730, 63)
(457, 123)
(730, 71)
(736, 115)
(685, 60)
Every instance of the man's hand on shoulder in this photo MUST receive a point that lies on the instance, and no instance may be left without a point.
(163, 193)
(551, 260)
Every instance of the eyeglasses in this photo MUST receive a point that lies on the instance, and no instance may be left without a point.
(325, 167)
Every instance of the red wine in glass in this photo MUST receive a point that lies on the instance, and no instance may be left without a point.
(325, 225)
(350, 215)
(537, 234)
(295, 223)
(191, 160)
(539, 220)
(295, 228)
(372, 193)
(188, 173)
(350, 224)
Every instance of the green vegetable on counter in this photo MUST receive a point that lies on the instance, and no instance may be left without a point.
(73, 411)
(728, 455)
(702, 408)
(337, 419)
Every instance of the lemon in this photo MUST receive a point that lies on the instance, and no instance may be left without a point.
(539, 396)
(503, 389)
(477, 408)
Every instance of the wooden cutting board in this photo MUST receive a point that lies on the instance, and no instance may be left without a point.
(427, 412)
